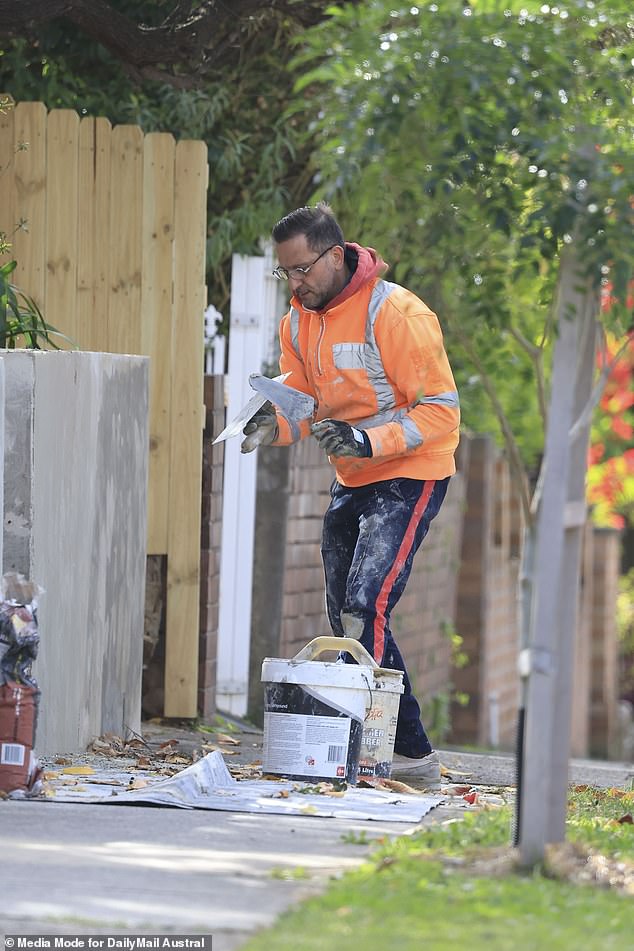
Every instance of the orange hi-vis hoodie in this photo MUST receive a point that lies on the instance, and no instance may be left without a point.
(374, 357)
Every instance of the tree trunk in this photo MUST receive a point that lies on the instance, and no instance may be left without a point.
(574, 523)
(548, 659)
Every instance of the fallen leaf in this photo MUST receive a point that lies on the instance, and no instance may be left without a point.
(626, 819)
(456, 790)
(395, 786)
(212, 748)
(471, 798)
(98, 746)
(79, 770)
(177, 758)
(225, 738)
(62, 761)
(137, 784)
(452, 772)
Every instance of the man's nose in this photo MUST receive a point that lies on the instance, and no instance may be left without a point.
(295, 280)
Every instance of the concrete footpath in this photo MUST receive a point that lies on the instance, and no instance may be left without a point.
(71, 868)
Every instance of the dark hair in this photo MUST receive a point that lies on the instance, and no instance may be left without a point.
(317, 222)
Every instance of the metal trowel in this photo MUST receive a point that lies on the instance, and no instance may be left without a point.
(294, 404)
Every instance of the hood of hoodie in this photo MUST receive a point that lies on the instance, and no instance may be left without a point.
(369, 264)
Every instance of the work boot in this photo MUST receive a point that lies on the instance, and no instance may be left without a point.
(421, 773)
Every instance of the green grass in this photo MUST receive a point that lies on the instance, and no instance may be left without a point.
(437, 890)
(593, 816)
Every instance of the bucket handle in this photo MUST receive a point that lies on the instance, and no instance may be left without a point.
(330, 643)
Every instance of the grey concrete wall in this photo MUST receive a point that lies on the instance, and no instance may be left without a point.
(76, 450)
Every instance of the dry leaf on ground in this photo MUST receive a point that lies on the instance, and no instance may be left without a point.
(225, 738)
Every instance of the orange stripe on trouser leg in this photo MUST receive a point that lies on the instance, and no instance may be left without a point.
(401, 557)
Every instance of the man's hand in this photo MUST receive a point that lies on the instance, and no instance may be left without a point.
(340, 439)
(261, 430)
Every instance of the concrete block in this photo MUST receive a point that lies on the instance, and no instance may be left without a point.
(76, 462)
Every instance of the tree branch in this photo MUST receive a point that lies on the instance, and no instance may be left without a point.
(599, 386)
(514, 457)
(190, 37)
(536, 353)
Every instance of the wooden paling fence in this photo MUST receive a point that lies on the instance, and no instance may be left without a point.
(113, 251)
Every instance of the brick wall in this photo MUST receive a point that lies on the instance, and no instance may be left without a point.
(603, 666)
(465, 577)
(425, 616)
(303, 609)
(487, 617)
(486, 610)
(424, 613)
(580, 714)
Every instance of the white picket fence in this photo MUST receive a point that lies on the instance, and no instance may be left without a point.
(257, 303)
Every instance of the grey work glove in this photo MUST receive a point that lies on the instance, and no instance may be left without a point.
(261, 430)
(340, 439)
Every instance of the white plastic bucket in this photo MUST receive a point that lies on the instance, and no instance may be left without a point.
(315, 714)
(379, 729)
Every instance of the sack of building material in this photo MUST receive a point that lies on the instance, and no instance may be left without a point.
(19, 693)
(19, 769)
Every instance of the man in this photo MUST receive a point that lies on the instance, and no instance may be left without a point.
(371, 354)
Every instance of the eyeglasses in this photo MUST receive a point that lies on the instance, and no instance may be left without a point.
(297, 273)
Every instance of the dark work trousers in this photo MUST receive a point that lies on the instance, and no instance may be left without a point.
(370, 536)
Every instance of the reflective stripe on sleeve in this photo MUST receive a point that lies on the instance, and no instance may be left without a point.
(294, 321)
(450, 399)
(374, 365)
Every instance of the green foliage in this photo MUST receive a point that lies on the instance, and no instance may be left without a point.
(356, 838)
(290, 874)
(470, 143)
(625, 612)
(459, 657)
(610, 483)
(597, 818)
(256, 161)
(436, 708)
(21, 320)
(625, 629)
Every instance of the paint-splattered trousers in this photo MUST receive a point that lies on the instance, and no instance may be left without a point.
(370, 536)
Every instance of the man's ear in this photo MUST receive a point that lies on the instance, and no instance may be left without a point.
(339, 255)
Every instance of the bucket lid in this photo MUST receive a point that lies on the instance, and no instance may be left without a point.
(317, 673)
(391, 681)
(331, 673)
